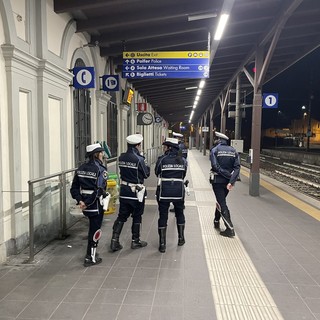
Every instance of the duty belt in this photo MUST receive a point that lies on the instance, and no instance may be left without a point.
(171, 179)
(87, 191)
(128, 183)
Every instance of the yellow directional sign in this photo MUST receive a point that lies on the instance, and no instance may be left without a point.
(166, 54)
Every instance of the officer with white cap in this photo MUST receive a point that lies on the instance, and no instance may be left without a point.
(225, 169)
(133, 171)
(171, 169)
(182, 147)
(88, 187)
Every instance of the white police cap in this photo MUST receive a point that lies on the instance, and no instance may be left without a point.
(93, 148)
(171, 142)
(134, 138)
(221, 135)
(176, 134)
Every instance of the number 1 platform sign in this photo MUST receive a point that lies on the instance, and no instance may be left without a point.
(270, 101)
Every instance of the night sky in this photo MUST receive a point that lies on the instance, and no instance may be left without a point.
(294, 86)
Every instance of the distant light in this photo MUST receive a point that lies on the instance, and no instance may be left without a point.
(222, 24)
(201, 84)
(196, 98)
(188, 106)
(303, 107)
(199, 92)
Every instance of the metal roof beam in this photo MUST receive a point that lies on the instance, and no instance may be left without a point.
(142, 17)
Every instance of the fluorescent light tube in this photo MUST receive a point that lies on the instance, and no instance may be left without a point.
(222, 24)
(202, 16)
(201, 84)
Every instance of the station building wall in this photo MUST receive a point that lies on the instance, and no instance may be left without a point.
(38, 48)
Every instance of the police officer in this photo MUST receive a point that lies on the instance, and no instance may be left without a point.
(182, 147)
(225, 169)
(133, 171)
(183, 150)
(88, 188)
(171, 169)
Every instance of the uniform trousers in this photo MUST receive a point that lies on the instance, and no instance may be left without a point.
(220, 190)
(131, 207)
(95, 223)
(163, 207)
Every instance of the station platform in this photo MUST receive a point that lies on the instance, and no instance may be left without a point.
(269, 270)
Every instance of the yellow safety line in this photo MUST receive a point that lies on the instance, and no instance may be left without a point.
(308, 209)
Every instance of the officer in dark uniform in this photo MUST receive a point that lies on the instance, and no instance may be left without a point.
(182, 147)
(183, 150)
(225, 169)
(88, 188)
(171, 169)
(133, 171)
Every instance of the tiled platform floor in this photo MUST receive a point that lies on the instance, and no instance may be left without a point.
(275, 253)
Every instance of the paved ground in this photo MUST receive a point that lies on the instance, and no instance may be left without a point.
(270, 270)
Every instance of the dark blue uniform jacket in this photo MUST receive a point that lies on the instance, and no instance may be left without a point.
(171, 169)
(133, 171)
(225, 163)
(88, 184)
(183, 149)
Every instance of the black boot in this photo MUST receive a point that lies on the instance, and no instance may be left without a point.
(181, 240)
(229, 232)
(136, 242)
(117, 228)
(92, 257)
(162, 239)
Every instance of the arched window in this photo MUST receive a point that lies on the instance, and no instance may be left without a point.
(82, 120)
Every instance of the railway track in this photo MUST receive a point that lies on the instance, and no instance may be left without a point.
(302, 177)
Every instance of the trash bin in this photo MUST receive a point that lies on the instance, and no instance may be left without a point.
(112, 189)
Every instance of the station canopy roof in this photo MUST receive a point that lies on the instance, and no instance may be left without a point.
(188, 25)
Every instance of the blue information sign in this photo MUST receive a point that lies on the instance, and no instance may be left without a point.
(270, 100)
(159, 75)
(110, 83)
(175, 64)
(83, 77)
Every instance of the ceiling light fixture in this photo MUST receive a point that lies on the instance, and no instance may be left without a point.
(202, 16)
(222, 24)
(201, 84)
(191, 88)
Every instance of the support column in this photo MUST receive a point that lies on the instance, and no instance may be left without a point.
(238, 110)
(254, 180)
